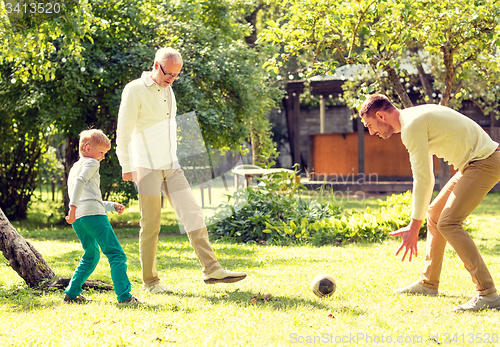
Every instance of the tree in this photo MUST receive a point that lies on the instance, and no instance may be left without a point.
(23, 143)
(465, 35)
(347, 32)
(79, 77)
(222, 79)
(29, 263)
(22, 256)
(379, 34)
(27, 40)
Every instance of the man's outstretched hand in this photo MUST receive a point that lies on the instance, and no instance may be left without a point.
(409, 237)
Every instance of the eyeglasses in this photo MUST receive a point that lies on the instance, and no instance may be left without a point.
(170, 75)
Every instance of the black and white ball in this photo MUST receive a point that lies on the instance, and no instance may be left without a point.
(323, 285)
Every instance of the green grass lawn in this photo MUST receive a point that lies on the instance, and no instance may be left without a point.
(363, 310)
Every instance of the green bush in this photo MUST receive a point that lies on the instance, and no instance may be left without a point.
(272, 212)
(368, 226)
(277, 212)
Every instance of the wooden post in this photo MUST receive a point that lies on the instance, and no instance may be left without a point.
(322, 108)
(209, 193)
(202, 188)
(296, 127)
(310, 154)
(361, 147)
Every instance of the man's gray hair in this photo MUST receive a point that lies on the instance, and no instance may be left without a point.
(168, 53)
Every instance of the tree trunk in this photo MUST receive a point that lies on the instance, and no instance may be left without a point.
(70, 157)
(425, 82)
(22, 256)
(445, 171)
(252, 20)
(29, 263)
(449, 76)
(403, 95)
(494, 131)
(252, 142)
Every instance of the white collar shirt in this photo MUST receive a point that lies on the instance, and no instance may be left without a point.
(147, 131)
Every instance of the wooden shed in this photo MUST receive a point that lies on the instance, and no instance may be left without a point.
(333, 147)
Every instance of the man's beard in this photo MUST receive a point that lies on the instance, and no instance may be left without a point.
(388, 132)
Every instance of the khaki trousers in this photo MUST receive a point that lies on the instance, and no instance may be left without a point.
(174, 185)
(445, 216)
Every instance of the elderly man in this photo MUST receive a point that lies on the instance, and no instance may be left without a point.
(428, 130)
(146, 148)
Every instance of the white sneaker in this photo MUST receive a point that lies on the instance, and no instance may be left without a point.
(477, 303)
(224, 276)
(157, 289)
(416, 288)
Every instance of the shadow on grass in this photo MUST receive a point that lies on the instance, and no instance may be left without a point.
(66, 232)
(489, 206)
(454, 296)
(490, 249)
(179, 257)
(251, 298)
(22, 299)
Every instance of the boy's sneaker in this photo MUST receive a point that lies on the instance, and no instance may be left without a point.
(477, 303)
(132, 301)
(416, 288)
(79, 300)
(224, 276)
(157, 289)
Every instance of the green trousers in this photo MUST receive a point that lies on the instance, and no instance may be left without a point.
(94, 232)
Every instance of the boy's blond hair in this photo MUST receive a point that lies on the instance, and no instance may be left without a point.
(93, 137)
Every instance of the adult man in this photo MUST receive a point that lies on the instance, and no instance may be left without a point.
(146, 148)
(428, 130)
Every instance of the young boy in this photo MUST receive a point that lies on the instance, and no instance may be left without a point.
(87, 214)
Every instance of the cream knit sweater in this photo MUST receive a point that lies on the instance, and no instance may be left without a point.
(428, 130)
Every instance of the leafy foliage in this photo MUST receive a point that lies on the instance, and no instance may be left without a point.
(368, 226)
(80, 77)
(463, 35)
(277, 212)
(28, 47)
(23, 144)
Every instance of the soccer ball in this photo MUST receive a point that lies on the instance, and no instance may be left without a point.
(323, 285)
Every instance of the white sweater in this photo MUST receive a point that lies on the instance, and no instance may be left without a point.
(84, 190)
(428, 130)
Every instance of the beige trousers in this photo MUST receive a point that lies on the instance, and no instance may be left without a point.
(174, 185)
(445, 216)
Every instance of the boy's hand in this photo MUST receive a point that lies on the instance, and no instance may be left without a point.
(71, 218)
(119, 208)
